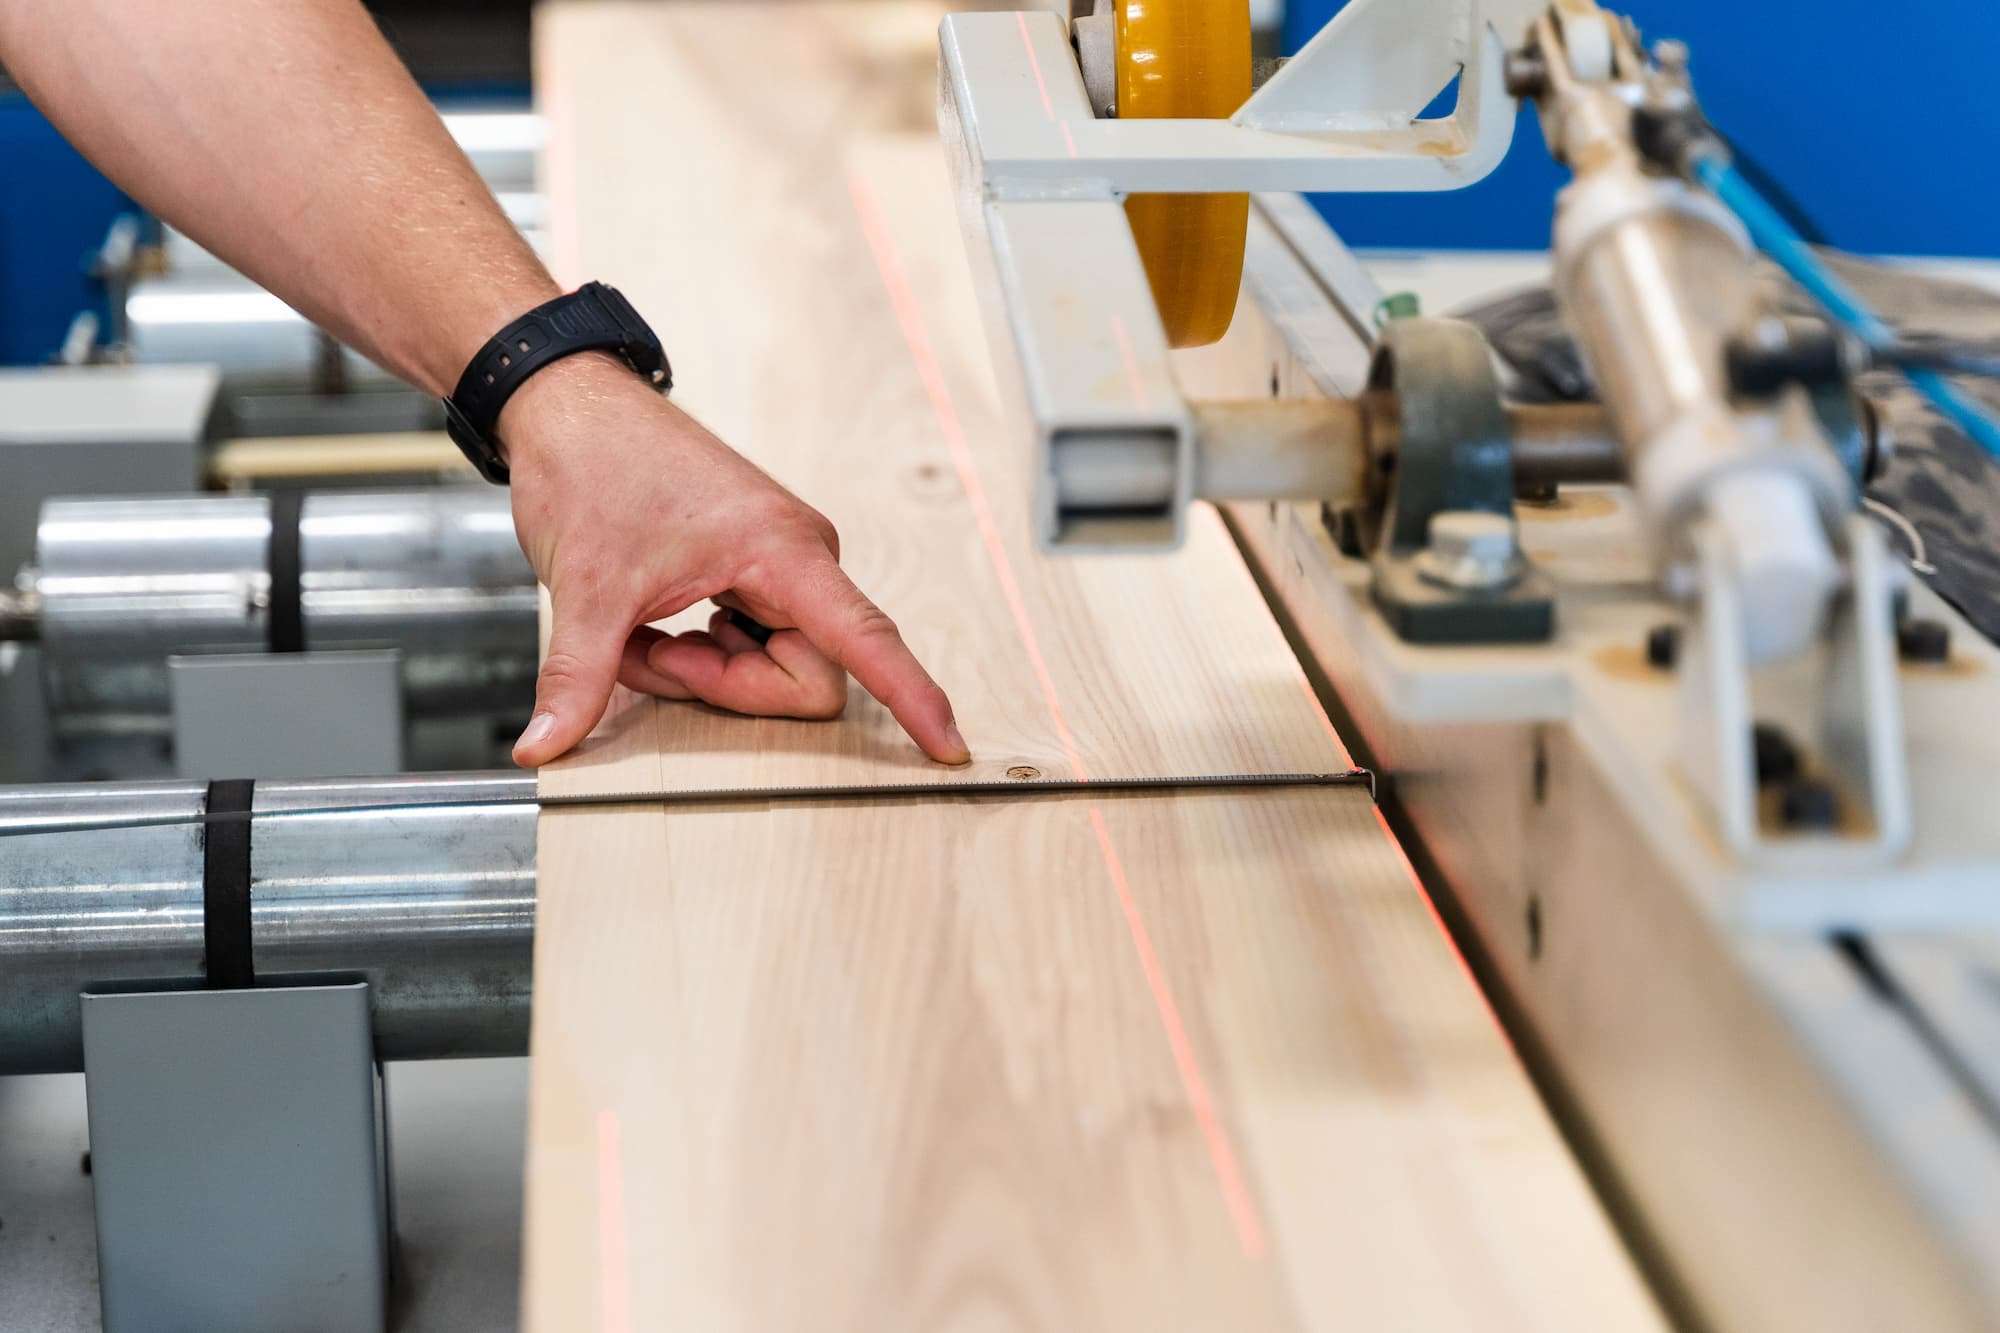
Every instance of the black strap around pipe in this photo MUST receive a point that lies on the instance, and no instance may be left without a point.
(287, 620)
(225, 887)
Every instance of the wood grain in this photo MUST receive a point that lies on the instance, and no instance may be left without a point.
(1189, 1061)
(735, 220)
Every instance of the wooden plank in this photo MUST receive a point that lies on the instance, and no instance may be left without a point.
(772, 259)
(927, 1078)
(1202, 1060)
(241, 462)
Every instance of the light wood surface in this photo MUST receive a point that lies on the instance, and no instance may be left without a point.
(1196, 1061)
(293, 457)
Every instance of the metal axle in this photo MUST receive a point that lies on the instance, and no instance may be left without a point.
(435, 906)
(1337, 450)
(121, 585)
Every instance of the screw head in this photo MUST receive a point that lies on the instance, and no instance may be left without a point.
(1923, 640)
(1471, 549)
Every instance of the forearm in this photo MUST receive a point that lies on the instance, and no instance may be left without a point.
(285, 136)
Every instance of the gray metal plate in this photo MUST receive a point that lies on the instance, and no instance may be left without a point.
(287, 715)
(235, 1159)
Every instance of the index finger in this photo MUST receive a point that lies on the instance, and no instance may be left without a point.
(841, 622)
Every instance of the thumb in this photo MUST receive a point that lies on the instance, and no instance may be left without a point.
(574, 687)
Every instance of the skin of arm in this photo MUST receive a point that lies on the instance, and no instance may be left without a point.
(287, 138)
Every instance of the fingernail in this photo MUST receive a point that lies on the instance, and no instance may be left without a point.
(957, 739)
(540, 727)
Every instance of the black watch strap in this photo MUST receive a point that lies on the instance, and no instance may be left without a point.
(594, 317)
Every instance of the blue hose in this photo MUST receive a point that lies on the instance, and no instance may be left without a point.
(1775, 237)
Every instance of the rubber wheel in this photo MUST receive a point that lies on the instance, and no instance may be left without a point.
(1186, 59)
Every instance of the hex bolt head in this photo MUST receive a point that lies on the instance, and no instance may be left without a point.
(1777, 759)
(1470, 549)
(1922, 640)
(1808, 803)
(1663, 646)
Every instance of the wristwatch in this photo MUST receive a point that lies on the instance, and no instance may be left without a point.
(594, 317)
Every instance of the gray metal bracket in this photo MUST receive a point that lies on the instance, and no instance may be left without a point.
(287, 715)
(1454, 455)
(238, 1157)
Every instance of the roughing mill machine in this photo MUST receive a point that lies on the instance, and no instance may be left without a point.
(1701, 770)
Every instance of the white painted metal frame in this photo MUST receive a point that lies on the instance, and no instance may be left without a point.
(1340, 115)
(1043, 181)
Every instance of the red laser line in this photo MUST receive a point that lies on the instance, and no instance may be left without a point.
(1430, 908)
(1319, 711)
(909, 318)
(1041, 84)
(1035, 64)
(614, 1265)
(1235, 1193)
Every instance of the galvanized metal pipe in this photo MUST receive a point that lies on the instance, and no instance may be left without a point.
(196, 309)
(435, 572)
(436, 907)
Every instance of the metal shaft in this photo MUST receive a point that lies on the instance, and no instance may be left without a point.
(1339, 449)
(436, 573)
(20, 615)
(436, 907)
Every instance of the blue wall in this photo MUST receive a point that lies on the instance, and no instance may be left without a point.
(1882, 123)
(1884, 126)
(54, 209)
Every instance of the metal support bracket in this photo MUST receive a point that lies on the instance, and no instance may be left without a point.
(240, 1128)
(1341, 115)
(1850, 713)
(1042, 181)
(1454, 456)
(287, 715)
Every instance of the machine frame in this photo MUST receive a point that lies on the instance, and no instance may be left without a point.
(1780, 1053)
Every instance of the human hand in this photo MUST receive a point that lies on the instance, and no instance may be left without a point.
(631, 512)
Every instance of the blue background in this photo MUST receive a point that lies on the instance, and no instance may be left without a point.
(1882, 123)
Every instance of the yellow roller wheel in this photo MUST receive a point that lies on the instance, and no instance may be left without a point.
(1186, 59)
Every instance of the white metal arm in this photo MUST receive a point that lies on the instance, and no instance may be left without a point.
(1341, 115)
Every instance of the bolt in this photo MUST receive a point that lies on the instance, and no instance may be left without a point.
(1526, 74)
(1663, 646)
(1672, 56)
(1777, 759)
(1923, 640)
(1808, 803)
(1470, 549)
